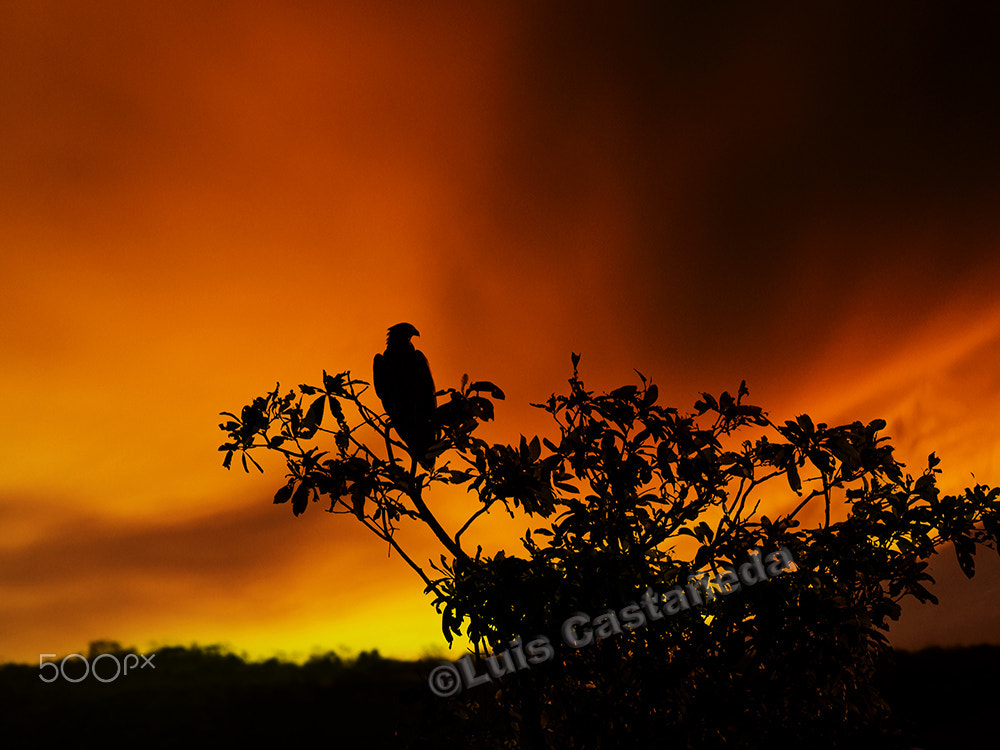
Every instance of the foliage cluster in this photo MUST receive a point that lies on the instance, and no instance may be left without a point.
(635, 495)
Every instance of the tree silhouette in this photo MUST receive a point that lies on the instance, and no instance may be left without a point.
(637, 500)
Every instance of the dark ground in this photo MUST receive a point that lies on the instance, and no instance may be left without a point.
(943, 698)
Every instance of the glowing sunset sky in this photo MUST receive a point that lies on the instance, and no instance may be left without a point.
(198, 200)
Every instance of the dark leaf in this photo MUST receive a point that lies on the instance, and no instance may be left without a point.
(485, 385)
(284, 494)
(626, 392)
(534, 449)
(482, 408)
(335, 409)
(358, 501)
(965, 548)
(314, 417)
(334, 384)
(704, 532)
(923, 594)
(793, 477)
(247, 455)
(821, 460)
(894, 610)
(300, 499)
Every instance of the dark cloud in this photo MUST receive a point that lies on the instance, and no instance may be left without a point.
(222, 546)
(734, 178)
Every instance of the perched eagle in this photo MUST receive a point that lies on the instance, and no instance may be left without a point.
(403, 381)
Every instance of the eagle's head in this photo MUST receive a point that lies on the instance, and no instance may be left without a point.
(401, 333)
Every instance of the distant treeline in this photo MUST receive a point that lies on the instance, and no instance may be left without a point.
(206, 696)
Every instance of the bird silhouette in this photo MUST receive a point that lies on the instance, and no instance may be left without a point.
(404, 383)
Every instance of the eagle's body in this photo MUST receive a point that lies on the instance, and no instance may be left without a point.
(404, 384)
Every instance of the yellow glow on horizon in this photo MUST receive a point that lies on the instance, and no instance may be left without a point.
(195, 211)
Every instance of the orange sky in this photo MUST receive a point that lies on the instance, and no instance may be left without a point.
(196, 202)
